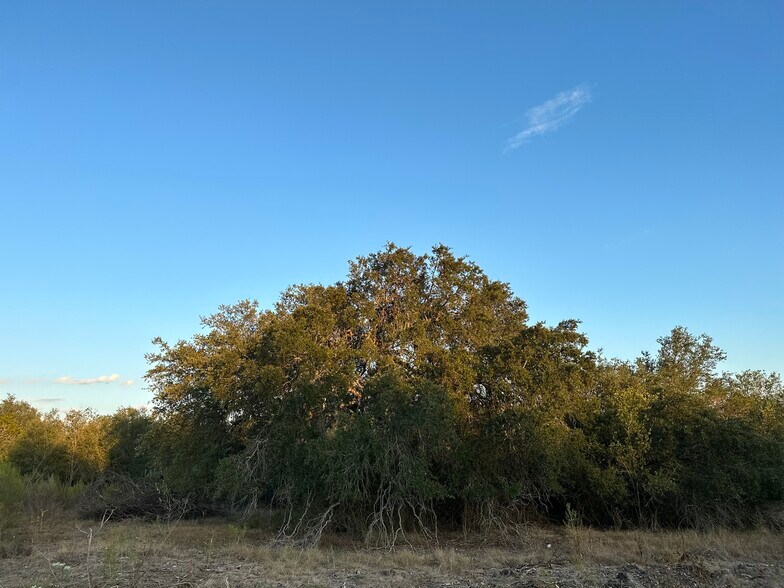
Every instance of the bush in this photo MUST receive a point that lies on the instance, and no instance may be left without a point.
(12, 492)
(52, 496)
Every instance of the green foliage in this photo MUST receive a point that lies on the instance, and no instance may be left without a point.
(415, 392)
(53, 457)
(71, 448)
(129, 451)
(416, 387)
(674, 443)
(391, 456)
(40, 449)
(12, 490)
(16, 417)
(51, 495)
(20, 496)
(12, 496)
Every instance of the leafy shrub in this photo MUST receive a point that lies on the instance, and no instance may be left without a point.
(11, 486)
(12, 491)
(51, 495)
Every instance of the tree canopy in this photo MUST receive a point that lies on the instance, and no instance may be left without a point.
(418, 384)
(416, 392)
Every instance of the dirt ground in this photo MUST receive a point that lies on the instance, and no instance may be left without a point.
(69, 553)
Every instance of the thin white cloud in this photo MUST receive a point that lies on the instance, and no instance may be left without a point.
(128, 383)
(551, 115)
(87, 381)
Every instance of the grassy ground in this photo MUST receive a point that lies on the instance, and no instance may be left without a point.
(66, 552)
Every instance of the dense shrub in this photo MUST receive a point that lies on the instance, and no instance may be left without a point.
(12, 491)
(416, 394)
(416, 389)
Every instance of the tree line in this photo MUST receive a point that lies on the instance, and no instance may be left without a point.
(416, 394)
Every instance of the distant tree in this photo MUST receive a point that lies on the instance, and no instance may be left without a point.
(71, 447)
(16, 417)
(41, 451)
(127, 437)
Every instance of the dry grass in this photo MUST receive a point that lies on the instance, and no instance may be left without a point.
(218, 553)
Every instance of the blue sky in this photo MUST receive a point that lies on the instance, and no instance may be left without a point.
(620, 163)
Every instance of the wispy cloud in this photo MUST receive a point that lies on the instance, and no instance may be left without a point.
(48, 400)
(551, 115)
(128, 383)
(87, 381)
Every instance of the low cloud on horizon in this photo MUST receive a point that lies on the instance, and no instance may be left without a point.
(71, 381)
(87, 381)
(551, 115)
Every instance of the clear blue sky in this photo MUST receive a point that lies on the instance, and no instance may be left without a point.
(621, 163)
